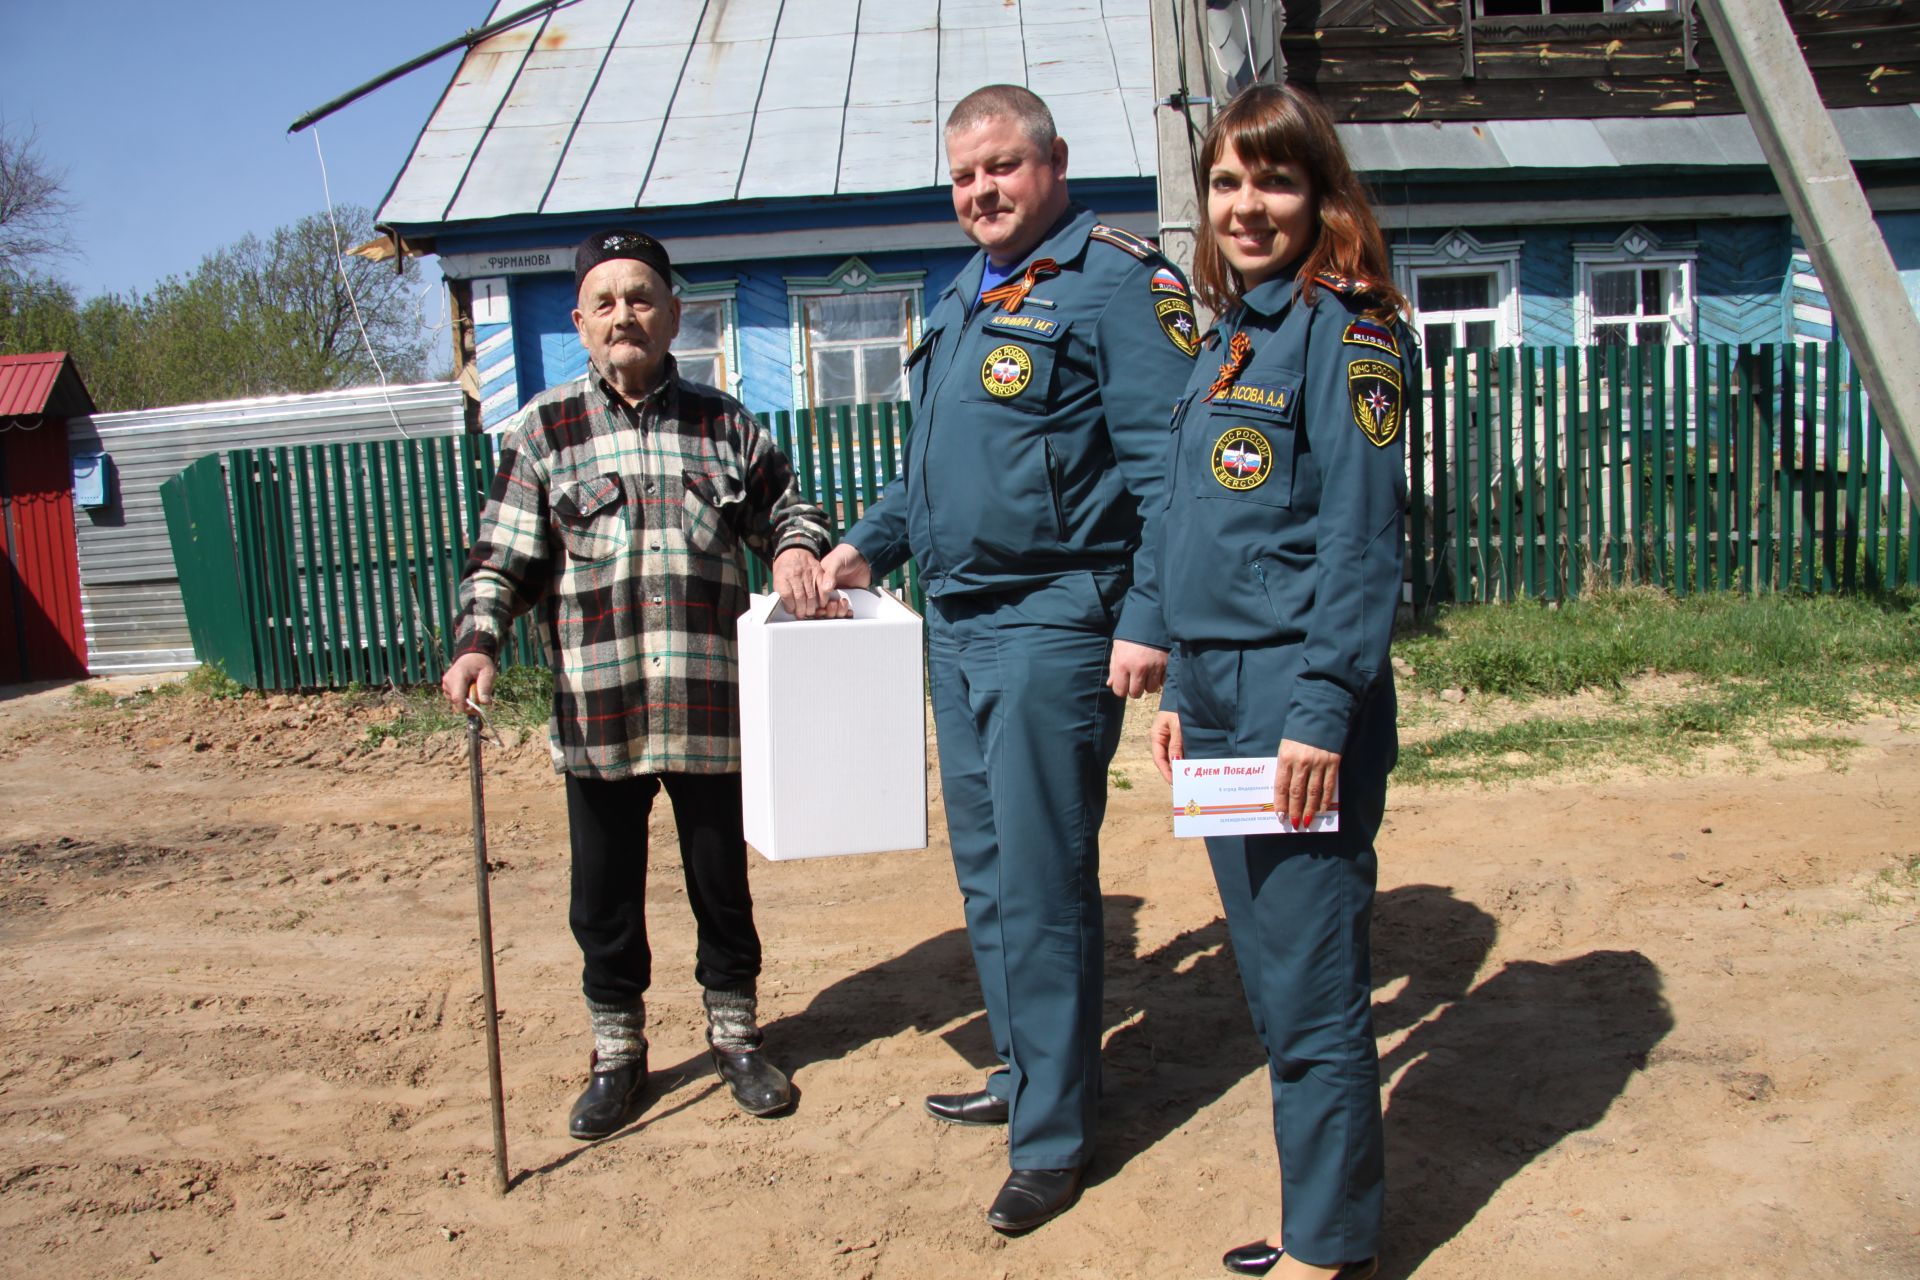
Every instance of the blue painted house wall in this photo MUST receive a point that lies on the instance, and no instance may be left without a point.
(1752, 283)
(548, 352)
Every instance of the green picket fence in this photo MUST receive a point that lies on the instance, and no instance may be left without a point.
(1546, 471)
(1537, 473)
(320, 566)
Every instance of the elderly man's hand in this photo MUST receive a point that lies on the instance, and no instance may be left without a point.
(470, 672)
(798, 581)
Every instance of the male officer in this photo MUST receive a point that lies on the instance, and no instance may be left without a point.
(1041, 392)
(620, 509)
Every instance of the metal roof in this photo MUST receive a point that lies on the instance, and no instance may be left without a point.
(615, 104)
(45, 383)
(1695, 142)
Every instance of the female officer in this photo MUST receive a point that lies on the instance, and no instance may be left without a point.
(1279, 562)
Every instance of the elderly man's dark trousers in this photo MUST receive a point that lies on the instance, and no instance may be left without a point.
(1026, 730)
(607, 826)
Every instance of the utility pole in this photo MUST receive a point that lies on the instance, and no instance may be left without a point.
(1180, 115)
(1870, 307)
(1204, 52)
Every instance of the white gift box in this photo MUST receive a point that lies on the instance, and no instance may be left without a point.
(833, 734)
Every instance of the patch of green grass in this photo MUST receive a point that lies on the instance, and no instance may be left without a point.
(1598, 642)
(1118, 780)
(1897, 884)
(210, 680)
(1834, 746)
(522, 699)
(86, 695)
(1757, 661)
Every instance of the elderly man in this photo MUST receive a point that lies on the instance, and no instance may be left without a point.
(1041, 393)
(620, 509)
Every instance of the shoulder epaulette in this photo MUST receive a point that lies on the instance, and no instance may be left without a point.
(1342, 284)
(1132, 243)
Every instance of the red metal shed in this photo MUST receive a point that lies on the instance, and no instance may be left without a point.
(42, 636)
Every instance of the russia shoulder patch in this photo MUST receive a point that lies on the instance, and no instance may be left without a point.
(1374, 388)
(1365, 332)
(1167, 280)
(1132, 243)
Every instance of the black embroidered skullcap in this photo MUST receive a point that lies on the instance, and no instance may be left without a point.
(619, 242)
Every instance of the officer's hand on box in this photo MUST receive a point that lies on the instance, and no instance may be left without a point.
(844, 567)
(798, 582)
(1136, 670)
(471, 673)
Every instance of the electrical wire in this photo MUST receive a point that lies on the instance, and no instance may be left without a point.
(340, 264)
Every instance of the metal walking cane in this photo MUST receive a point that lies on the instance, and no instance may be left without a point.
(475, 722)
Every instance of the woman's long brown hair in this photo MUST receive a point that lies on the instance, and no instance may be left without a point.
(1271, 124)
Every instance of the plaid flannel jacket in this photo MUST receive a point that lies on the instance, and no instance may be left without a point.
(624, 527)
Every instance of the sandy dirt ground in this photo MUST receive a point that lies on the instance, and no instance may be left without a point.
(1631, 1025)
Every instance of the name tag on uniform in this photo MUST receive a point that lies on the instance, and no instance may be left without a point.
(1261, 397)
(1030, 326)
(1235, 798)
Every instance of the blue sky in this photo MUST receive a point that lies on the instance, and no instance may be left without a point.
(169, 120)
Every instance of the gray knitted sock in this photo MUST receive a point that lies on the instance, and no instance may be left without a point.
(619, 1033)
(731, 1022)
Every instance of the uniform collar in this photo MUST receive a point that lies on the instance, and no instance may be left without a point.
(1271, 297)
(1065, 241)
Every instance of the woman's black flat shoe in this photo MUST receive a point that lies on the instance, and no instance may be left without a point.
(1257, 1259)
(1254, 1259)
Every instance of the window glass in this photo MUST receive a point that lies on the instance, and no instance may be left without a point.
(855, 344)
(700, 348)
(1613, 293)
(1637, 305)
(859, 317)
(700, 324)
(1455, 292)
(834, 378)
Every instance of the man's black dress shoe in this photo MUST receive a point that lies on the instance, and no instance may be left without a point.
(976, 1108)
(608, 1100)
(1031, 1196)
(1254, 1259)
(1258, 1258)
(759, 1087)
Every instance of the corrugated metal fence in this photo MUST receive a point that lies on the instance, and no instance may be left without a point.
(1537, 473)
(135, 620)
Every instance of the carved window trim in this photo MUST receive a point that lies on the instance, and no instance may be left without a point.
(1639, 247)
(1461, 253)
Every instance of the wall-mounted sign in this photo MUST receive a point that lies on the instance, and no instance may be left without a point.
(506, 262)
(490, 301)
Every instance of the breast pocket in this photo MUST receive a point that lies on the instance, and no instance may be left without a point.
(917, 361)
(711, 512)
(1243, 448)
(592, 519)
(1017, 366)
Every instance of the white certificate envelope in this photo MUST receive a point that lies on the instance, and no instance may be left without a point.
(1235, 798)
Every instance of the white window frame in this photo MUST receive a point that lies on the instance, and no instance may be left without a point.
(725, 293)
(1459, 254)
(1635, 248)
(851, 277)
